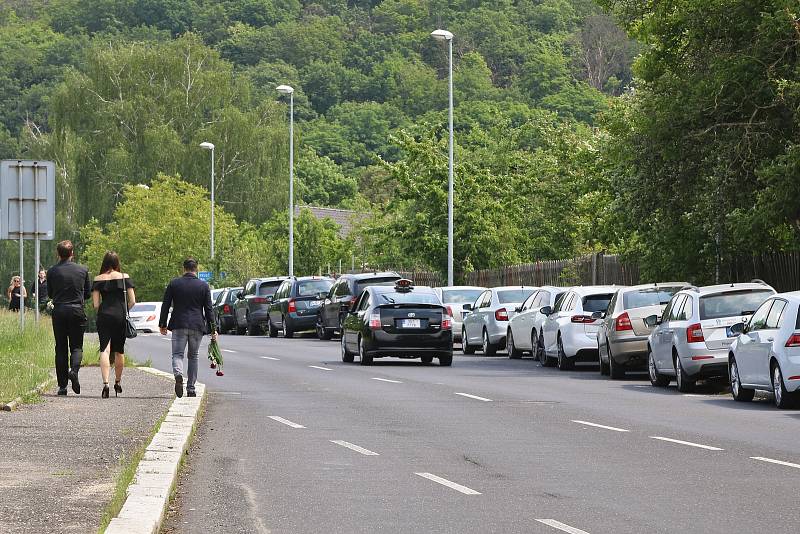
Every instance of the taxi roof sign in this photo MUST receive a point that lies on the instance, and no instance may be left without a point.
(404, 284)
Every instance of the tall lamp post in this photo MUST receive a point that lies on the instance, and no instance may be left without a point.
(444, 35)
(288, 90)
(210, 146)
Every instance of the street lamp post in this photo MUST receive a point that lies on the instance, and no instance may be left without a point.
(444, 35)
(288, 90)
(210, 146)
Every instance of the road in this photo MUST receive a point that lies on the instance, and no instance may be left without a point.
(296, 441)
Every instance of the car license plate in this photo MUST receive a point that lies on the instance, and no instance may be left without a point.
(410, 323)
(315, 304)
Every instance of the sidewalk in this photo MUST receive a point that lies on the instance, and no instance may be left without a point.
(60, 457)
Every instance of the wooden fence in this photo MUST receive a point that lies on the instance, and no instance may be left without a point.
(780, 270)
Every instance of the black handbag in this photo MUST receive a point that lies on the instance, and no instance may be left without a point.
(130, 328)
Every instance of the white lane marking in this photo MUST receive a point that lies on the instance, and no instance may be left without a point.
(285, 421)
(587, 423)
(347, 444)
(689, 443)
(452, 485)
(270, 358)
(387, 380)
(692, 395)
(322, 368)
(779, 462)
(561, 526)
(229, 350)
(484, 399)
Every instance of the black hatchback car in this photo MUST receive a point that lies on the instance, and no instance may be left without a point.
(252, 304)
(343, 295)
(296, 304)
(400, 320)
(223, 309)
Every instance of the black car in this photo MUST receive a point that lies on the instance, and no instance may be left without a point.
(296, 304)
(401, 320)
(343, 295)
(223, 309)
(251, 311)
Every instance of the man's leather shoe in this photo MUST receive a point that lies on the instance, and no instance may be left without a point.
(62, 391)
(191, 394)
(179, 386)
(76, 385)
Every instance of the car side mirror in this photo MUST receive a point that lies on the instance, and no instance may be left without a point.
(270, 298)
(738, 328)
(467, 307)
(652, 320)
(240, 295)
(599, 315)
(546, 310)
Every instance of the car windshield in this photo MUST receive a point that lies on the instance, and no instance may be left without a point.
(460, 296)
(513, 295)
(388, 281)
(648, 297)
(732, 303)
(408, 297)
(593, 303)
(268, 288)
(310, 288)
(143, 308)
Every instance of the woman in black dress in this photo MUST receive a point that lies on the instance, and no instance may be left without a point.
(108, 297)
(13, 293)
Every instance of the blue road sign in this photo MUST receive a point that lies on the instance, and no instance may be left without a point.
(205, 276)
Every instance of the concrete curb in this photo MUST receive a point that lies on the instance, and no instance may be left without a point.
(148, 494)
(38, 390)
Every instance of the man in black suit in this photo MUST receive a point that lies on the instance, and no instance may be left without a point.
(190, 299)
(69, 287)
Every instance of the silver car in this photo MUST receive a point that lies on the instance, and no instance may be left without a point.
(525, 328)
(454, 298)
(766, 354)
(622, 336)
(487, 323)
(691, 339)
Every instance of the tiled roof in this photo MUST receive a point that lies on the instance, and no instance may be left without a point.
(343, 218)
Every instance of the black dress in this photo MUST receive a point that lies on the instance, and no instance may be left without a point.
(13, 304)
(111, 314)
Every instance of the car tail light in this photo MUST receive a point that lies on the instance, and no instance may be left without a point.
(375, 321)
(259, 300)
(447, 321)
(292, 306)
(694, 333)
(501, 314)
(582, 319)
(698, 358)
(226, 308)
(151, 318)
(793, 341)
(623, 323)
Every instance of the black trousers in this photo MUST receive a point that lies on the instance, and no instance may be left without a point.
(69, 324)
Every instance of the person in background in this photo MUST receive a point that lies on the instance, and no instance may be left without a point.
(13, 293)
(111, 290)
(190, 299)
(42, 290)
(69, 287)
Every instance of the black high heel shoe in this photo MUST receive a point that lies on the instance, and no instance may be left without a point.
(117, 389)
(104, 394)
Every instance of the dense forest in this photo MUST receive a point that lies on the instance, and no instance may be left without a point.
(668, 132)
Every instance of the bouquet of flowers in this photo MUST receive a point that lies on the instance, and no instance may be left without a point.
(215, 356)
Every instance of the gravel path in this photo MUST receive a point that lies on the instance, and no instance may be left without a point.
(60, 457)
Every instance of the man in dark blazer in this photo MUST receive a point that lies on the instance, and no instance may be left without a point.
(190, 300)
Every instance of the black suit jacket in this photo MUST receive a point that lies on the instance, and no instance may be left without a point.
(68, 283)
(190, 299)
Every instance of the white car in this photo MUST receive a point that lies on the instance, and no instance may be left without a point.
(766, 354)
(525, 328)
(570, 330)
(145, 316)
(487, 323)
(454, 298)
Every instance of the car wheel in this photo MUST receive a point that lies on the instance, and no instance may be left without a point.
(783, 399)
(466, 348)
(564, 363)
(544, 360)
(739, 393)
(446, 360)
(656, 379)
(603, 366)
(288, 333)
(347, 356)
(512, 351)
(488, 348)
(323, 333)
(426, 359)
(364, 358)
(272, 330)
(685, 384)
(615, 370)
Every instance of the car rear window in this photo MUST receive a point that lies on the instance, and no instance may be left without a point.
(648, 297)
(232, 295)
(143, 307)
(310, 288)
(386, 281)
(732, 303)
(268, 288)
(513, 295)
(407, 297)
(460, 296)
(593, 303)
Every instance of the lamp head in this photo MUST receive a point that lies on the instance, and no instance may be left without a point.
(442, 35)
(207, 146)
(285, 89)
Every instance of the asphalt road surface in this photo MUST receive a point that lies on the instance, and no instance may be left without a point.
(295, 441)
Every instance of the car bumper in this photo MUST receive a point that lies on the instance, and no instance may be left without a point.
(386, 344)
(258, 316)
(629, 351)
(578, 344)
(700, 362)
(151, 326)
(497, 331)
(299, 323)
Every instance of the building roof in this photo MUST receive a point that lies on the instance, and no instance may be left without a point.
(345, 219)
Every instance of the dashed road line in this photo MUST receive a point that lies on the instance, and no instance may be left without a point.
(779, 462)
(563, 527)
(449, 483)
(689, 443)
(229, 350)
(270, 358)
(387, 380)
(285, 421)
(484, 399)
(321, 368)
(587, 423)
(352, 447)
